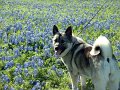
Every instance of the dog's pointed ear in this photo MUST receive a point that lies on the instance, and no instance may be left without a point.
(68, 31)
(55, 30)
(95, 51)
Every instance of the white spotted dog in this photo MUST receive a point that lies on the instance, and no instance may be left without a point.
(96, 62)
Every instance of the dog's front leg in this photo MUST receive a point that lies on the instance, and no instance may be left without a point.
(83, 82)
(74, 78)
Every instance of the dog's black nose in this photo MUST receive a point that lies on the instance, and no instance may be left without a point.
(56, 48)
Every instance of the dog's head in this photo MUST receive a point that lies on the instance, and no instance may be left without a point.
(62, 42)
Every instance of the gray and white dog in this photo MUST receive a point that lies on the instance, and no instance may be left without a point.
(96, 62)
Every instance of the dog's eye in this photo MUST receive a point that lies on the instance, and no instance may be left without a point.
(55, 40)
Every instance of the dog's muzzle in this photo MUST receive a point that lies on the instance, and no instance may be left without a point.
(59, 50)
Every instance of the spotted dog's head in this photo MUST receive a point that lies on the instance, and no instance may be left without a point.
(62, 42)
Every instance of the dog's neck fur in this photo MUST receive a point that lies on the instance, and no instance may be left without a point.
(70, 45)
(75, 41)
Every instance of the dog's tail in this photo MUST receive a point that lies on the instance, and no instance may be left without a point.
(102, 46)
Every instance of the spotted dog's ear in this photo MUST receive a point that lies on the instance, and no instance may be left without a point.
(55, 30)
(95, 51)
(68, 32)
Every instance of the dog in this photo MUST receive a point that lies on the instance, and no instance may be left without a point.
(96, 61)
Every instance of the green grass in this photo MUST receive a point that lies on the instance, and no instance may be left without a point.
(41, 15)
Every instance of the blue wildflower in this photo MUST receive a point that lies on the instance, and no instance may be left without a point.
(26, 64)
(5, 37)
(11, 88)
(9, 64)
(59, 72)
(1, 34)
(26, 73)
(16, 52)
(40, 62)
(18, 80)
(5, 78)
(6, 87)
(35, 72)
(17, 26)
(54, 68)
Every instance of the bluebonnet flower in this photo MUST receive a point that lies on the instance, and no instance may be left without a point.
(43, 83)
(116, 53)
(54, 68)
(3, 58)
(18, 65)
(5, 78)
(59, 72)
(20, 38)
(9, 58)
(1, 34)
(33, 58)
(37, 86)
(47, 52)
(30, 48)
(35, 35)
(50, 44)
(118, 45)
(18, 71)
(26, 72)
(28, 33)
(28, 40)
(40, 62)
(18, 80)
(34, 82)
(98, 25)
(1, 19)
(9, 64)
(17, 26)
(16, 52)
(8, 28)
(6, 87)
(90, 41)
(107, 26)
(26, 48)
(32, 39)
(35, 72)
(34, 88)
(12, 39)
(21, 47)
(73, 21)
(5, 49)
(33, 64)
(16, 41)
(29, 27)
(5, 37)
(36, 38)
(11, 88)
(26, 64)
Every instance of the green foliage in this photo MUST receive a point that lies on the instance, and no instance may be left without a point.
(33, 20)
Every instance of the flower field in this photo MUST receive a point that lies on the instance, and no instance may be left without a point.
(27, 60)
